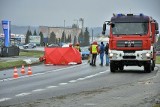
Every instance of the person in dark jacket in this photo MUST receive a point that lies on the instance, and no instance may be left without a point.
(101, 51)
(106, 53)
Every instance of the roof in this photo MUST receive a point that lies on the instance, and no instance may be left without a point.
(134, 18)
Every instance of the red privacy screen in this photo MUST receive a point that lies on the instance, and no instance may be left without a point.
(62, 56)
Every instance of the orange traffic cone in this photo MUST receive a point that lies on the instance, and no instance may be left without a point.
(29, 70)
(15, 74)
(23, 70)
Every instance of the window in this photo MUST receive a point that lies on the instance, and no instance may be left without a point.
(130, 28)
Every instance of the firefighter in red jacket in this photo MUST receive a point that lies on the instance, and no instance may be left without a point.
(94, 51)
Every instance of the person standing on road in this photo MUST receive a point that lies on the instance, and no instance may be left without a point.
(94, 52)
(106, 53)
(90, 54)
(101, 51)
(77, 47)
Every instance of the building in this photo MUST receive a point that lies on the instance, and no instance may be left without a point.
(59, 30)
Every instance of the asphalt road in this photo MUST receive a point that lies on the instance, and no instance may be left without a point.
(54, 81)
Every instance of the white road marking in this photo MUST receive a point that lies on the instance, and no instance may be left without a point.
(90, 76)
(22, 94)
(38, 90)
(79, 79)
(4, 99)
(73, 81)
(102, 72)
(52, 86)
(63, 83)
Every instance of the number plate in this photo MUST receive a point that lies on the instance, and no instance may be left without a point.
(129, 54)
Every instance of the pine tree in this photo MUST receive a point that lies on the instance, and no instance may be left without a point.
(27, 36)
(34, 32)
(86, 37)
(75, 40)
(81, 38)
(70, 38)
(63, 38)
(41, 38)
(52, 38)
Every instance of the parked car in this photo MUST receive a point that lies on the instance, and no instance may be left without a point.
(85, 52)
(53, 45)
(29, 45)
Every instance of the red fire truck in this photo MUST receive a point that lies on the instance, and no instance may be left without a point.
(132, 41)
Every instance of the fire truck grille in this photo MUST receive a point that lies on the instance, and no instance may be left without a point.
(129, 43)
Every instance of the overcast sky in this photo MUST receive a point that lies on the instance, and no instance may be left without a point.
(54, 12)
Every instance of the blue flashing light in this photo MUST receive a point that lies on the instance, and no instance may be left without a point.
(141, 14)
(119, 15)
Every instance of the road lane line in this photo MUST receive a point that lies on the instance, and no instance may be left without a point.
(103, 72)
(79, 79)
(63, 83)
(5, 99)
(72, 81)
(51, 86)
(38, 90)
(22, 94)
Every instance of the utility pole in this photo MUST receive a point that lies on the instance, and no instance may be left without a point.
(92, 34)
(64, 31)
(76, 30)
(82, 20)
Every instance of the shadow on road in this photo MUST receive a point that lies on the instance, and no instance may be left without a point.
(131, 71)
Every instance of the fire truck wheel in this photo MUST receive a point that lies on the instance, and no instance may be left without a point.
(153, 65)
(147, 67)
(113, 68)
(121, 67)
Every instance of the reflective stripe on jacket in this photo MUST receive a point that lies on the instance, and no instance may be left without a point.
(94, 49)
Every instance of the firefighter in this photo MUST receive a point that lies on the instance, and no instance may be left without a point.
(77, 47)
(94, 52)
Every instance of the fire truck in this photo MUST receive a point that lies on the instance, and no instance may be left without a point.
(132, 41)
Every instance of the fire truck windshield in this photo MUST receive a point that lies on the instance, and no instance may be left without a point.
(130, 28)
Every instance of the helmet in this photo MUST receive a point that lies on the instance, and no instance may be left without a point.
(77, 44)
(95, 43)
(70, 45)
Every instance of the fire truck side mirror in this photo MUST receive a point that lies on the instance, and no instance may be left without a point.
(104, 28)
(156, 25)
(157, 32)
(103, 32)
(112, 25)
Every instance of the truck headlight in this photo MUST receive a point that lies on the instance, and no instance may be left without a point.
(148, 54)
(110, 55)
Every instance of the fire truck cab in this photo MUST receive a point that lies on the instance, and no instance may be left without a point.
(132, 41)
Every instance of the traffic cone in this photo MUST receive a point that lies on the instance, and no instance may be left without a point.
(29, 70)
(23, 70)
(15, 74)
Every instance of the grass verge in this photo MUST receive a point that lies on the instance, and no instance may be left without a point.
(18, 63)
(4, 65)
(157, 59)
(156, 105)
(36, 54)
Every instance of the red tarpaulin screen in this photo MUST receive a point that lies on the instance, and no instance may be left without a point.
(62, 56)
